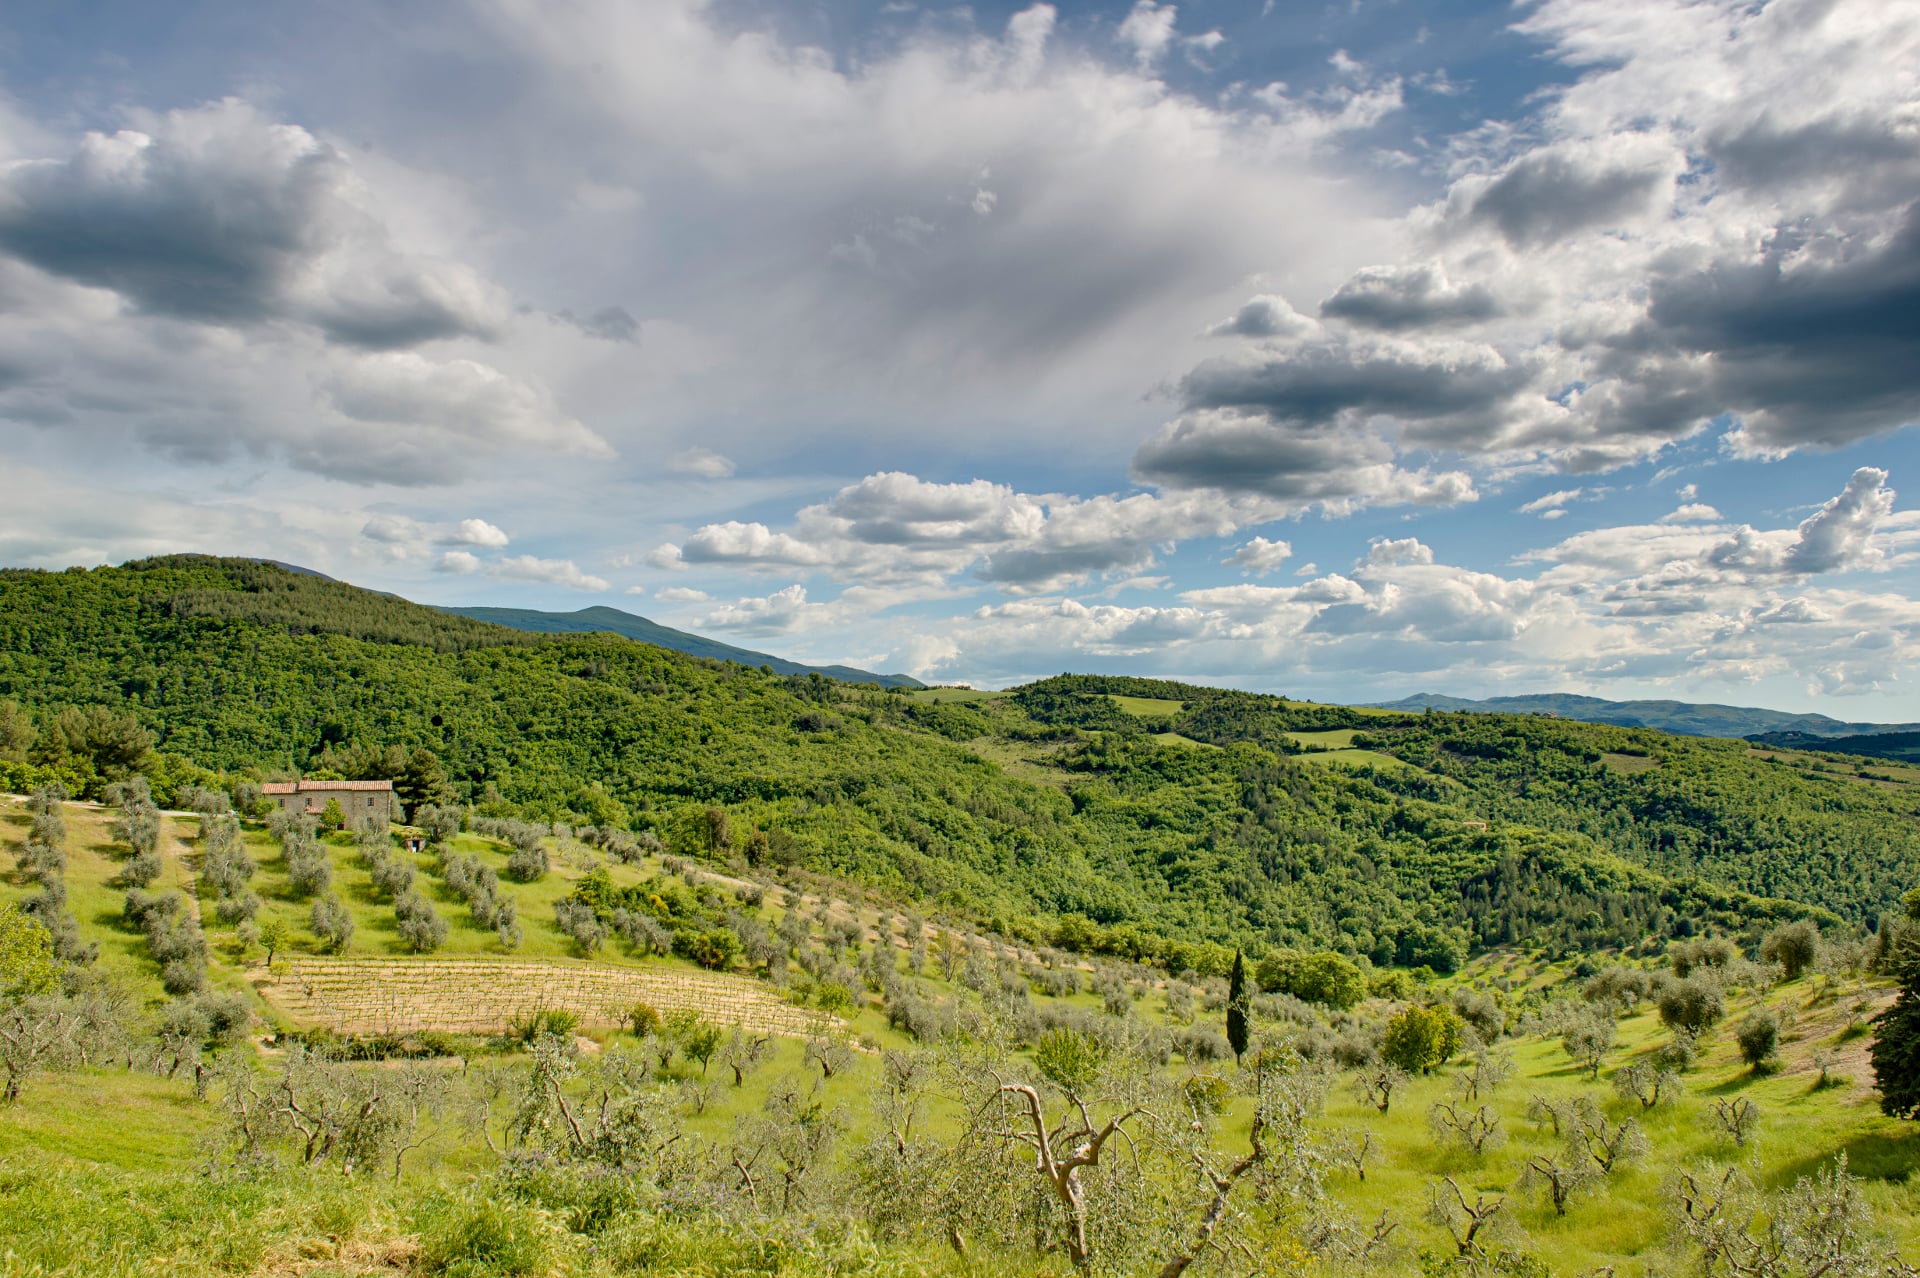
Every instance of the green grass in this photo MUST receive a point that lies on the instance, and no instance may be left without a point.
(1628, 763)
(1147, 707)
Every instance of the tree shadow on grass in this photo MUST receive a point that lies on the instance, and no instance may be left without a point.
(1889, 1156)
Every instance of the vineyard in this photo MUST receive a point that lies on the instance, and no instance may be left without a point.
(471, 995)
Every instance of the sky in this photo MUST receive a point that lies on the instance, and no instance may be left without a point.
(1341, 350)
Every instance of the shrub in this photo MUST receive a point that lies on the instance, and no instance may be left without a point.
(331, 922)
(528, 864)
(1793, 946)
(1418, 1038)
(1326, 978)
(1758, 1035)
(1693, 1004)
(420, 926)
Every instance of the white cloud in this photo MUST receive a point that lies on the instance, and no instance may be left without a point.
(477, 532)
(1259, 556)
(460, 562)
(702, 462)
(682, 594)
(551, 572)
(1388, 552)
(1552, 504)
(778, 613)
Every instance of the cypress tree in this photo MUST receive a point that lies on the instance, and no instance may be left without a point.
(1896, 1031)
(1237, 1019)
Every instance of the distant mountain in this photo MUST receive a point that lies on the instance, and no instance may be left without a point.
(612, 620)
(1903, 747)
(1683, 717)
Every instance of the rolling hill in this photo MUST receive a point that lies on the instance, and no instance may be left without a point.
(1143, 818)
(631, 626)
(1684, 718)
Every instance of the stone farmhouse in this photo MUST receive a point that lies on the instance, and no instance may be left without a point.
(357, 799)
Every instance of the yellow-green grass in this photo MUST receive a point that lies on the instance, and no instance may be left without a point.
(94, 897)
(1358, 759)
(1148, 707)
(1628, 763)
(1174, 738)
(1330, 739)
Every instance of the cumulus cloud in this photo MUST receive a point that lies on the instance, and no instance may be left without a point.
(476, 532)
(682, 594)
(1267, 315)
(1259, 557)
(773, 614)
(220, 215)
(460, 562)
(1393, 298)
(1683, 605)
(900, 529)
(1691, 231)
(550, 572)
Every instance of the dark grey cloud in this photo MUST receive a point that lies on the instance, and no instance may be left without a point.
(1299, 465)
(1551, 194)
(1319, 384)
(1396, 298)
(221, 216)
(1814, 338)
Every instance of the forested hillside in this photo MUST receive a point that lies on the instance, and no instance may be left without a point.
(1141, 817)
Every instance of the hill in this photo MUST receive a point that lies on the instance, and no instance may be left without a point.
(1686, 718)
(1901, 746)
(1137, 817)
(614, 621)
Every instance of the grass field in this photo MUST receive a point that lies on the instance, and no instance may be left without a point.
(1148, 707)
(100, 1171)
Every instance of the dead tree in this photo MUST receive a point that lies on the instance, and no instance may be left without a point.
(1375, 1085)
(1476, 1129)
(1467, 1223)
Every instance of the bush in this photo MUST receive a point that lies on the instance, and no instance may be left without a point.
(332, 924)
(1327, 978)
(1693, 1004)
(1418, 1038)
(420, 926)
(1793, 946)
(528, 864)
(1758, 1035)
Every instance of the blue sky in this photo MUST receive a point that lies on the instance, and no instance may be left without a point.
(1342, 350)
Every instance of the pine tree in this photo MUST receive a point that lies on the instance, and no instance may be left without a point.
(1896, 1039)
(1237, 1001)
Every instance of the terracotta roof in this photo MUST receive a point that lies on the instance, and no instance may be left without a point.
(306, 787)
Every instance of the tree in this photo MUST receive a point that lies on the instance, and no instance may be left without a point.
(1332, 980)
(1693, 1004)
(273, 936)
(423, 782)
(1589, 1039)
(1793, 946)
(1418, 1038)
(1759, 1034)
(27, 965)
(1896, 1035)
(1238, 1005)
